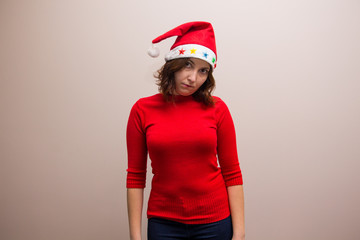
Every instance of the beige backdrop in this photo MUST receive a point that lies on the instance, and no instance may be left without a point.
(70, 71)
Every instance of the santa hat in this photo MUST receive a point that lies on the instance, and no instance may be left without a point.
(194, 39)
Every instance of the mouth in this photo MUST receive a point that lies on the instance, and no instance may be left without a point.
(186, 85)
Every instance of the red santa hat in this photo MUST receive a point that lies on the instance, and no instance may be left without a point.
(194, 39)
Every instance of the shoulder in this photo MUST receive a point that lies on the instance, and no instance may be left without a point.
(145, 105)
(221, 109)
(219, 103)
(154, 98)
(150, 100)
(148, 104)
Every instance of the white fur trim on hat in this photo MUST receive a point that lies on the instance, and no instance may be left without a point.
(192, 50)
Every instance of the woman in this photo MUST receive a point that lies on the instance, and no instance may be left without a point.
(186, 133)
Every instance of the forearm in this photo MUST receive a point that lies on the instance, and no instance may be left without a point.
(135, 204)
(236, 201)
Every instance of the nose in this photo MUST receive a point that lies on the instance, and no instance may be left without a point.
(192, 76)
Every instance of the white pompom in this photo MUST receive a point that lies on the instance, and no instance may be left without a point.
(153, 52)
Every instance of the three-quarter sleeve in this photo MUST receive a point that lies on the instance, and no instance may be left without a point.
(137, 149)
(226, 147)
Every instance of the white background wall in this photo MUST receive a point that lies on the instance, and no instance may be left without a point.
(71, 70)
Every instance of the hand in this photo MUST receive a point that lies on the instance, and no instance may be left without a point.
(241, 238)
(138, 238)
(238, 237)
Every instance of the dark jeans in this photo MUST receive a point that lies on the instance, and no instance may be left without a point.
(162, 229)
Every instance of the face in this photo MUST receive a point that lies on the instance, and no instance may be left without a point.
(190, 78)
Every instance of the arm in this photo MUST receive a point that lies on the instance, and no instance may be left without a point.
(136, 177)
(236, 201)
(230, 169)
(135, 205)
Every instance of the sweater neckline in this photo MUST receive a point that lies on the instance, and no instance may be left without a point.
(180, 98)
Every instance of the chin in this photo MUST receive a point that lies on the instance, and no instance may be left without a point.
(185, 94)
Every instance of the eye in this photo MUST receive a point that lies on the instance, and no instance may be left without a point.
(188, 64)
(204, 71)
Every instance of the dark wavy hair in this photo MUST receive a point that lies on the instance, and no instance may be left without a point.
(166, 81)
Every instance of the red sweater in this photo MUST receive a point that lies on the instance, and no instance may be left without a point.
(185, 142)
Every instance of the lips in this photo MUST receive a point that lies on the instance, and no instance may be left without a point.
(186, 85)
